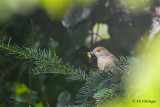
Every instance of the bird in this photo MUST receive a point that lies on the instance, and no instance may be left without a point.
(104, 58)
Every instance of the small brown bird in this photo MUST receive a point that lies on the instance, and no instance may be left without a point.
(104, 57)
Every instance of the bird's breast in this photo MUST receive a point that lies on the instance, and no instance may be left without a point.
(102, 62)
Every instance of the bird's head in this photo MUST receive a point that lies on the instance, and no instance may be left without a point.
(100, 52)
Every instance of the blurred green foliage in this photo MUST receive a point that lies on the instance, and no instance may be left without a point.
(64, 26)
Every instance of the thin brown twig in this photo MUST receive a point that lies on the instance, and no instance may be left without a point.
(40, 82)
(30, 64)
(97, 35)
(92, 39)
(43, 92)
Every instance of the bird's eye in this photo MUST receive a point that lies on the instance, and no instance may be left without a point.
(98, 50)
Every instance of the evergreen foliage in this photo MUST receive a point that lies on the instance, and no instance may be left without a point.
(46, 62)
(99, 86)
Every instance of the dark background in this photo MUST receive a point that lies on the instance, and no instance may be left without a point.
(65, 34)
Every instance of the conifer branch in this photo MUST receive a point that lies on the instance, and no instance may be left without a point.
(44, 59)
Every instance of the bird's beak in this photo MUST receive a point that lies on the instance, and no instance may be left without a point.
(92, 53)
